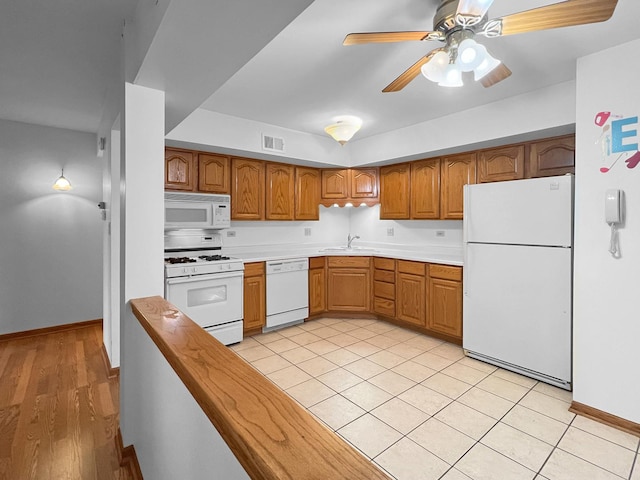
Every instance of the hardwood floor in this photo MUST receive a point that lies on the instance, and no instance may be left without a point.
(58, 408)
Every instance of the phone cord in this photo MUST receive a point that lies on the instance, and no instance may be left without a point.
(614, 247)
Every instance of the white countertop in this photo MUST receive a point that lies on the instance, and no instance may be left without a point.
(441, 255)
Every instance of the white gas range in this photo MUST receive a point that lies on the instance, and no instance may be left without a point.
(204, 284)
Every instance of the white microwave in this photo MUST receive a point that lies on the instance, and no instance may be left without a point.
(196, 210)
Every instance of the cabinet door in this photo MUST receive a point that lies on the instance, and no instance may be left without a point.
(280, 188)
(445, 307)
(455, 172)
(255, 310)
(335, 184)
(364, 183)
(247, 189)
(307, 197)
(556, 156)
(425, 189)
(317, 292)
(499, 164)
(179, 170)
(410, 298)
(213, 173)
(348, 289)
(394, 191)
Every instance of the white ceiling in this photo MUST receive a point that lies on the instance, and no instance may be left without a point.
(58, 59)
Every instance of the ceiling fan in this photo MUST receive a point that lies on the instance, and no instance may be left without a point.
(457, 22)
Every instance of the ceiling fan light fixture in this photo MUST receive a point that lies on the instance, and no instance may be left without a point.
(452, 77)
(488, 64)
(434, 69)
(470, 55)
(344, 128)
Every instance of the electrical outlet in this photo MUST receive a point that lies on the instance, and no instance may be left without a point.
(307, 231)
(231, 233)
(390, 232)
(439, 233)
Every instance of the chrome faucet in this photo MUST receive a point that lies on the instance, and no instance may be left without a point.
(351, 239)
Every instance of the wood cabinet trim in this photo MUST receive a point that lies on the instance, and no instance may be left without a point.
(348, 262)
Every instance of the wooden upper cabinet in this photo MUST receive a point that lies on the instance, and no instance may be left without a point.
(307, 195)
(456, 171)
(214, 173)
(247, 189)
(425, 189)
(335, 184)
(280, 188)
(497, 164)
(364, 183)
(179, 170)
(394, 191)
(555, 156)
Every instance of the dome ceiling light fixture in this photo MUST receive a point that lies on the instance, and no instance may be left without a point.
(457, 22)
(343, 128)
(62, 184)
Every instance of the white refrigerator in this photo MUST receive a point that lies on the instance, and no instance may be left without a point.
(518, 265)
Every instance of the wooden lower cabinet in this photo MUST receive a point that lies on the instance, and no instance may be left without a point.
(317, 286)
(445, 300)
(384, 287)
(255, 302)
(349, 284)
(410, 292)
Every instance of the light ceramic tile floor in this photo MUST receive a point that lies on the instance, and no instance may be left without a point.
(419, 409)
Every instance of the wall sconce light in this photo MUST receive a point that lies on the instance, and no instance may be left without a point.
(344, 128)
(62, 184)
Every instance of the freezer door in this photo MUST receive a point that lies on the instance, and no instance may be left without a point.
(538, 211)
(517, 306)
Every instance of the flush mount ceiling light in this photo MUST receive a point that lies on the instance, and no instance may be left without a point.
(455, 24)
(343, 128)
(62, 184)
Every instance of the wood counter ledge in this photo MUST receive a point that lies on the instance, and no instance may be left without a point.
(271, 435)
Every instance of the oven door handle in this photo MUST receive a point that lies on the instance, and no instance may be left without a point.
(205, 276)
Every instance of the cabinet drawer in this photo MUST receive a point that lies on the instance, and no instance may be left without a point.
(384, 276)
(384, 306)
(384, 263)
(414, 268)
(316, 262)
(446, 272)
(253, 269)
(384, 290)
(357, 262)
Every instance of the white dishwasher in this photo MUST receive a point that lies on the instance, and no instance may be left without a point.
(287, 292)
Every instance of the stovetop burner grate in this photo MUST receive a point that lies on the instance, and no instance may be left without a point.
(173, 260)
(213, 258)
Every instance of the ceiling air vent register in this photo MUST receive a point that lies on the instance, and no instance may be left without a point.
(272, 144)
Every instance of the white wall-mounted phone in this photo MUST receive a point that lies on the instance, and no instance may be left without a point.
(613, 213)
(613, 206)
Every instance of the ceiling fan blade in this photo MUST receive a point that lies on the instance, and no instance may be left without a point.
(471, 12)
(563, 14)
(496, 75)
(385, 37)
(409, 74)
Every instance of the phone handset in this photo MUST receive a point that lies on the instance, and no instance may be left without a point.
(613, 206)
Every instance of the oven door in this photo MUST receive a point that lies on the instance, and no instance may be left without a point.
(209, 300)
(186, 214)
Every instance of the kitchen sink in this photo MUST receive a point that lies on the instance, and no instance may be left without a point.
(348, 249)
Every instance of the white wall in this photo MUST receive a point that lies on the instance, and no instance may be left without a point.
(223, 133)
(142, 243)
(606, 319)
(550, 110)
(51, 245)
(366, 223)
(334, 226)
